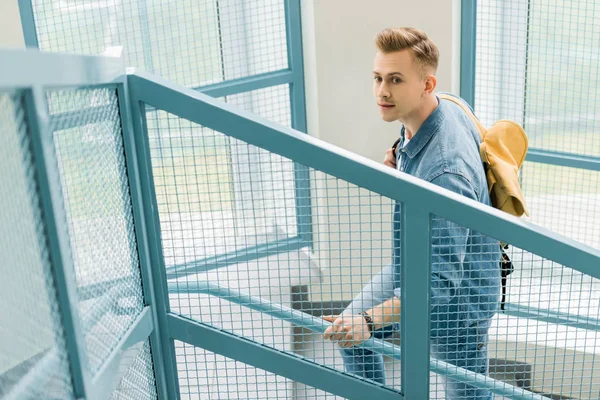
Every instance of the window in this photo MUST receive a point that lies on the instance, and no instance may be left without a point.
(239, 51)
(537, 63)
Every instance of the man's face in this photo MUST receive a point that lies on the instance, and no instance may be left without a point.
(398, 85)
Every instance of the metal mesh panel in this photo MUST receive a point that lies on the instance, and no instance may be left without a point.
(33, 361)
(206, 375)
(89, 146)
(537, 63)
(500, 79)
(473, 333)
(216, 195)
(193, 43)
(138, 382)
(563, 84)
(261, 177)
(465, 285)
(207, 208)
(565, 200)
(564, 359)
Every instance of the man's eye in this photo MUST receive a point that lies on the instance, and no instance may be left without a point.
(397, 80)
(377, 79)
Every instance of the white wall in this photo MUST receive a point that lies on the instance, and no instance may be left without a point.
(338, 41)
(11, 33)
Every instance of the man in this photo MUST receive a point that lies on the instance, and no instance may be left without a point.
(438, 144)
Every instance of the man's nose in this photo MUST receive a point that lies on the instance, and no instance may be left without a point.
(383, 91)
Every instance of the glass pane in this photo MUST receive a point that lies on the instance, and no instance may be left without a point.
(190, 42)
(537, 64)
(202, 176)
(562, 106)
(564, 200)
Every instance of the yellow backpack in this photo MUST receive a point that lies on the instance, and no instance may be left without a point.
(503, 148)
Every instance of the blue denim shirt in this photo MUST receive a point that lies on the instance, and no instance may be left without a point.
(465, 272)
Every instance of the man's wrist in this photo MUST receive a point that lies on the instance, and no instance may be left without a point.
(369, 322)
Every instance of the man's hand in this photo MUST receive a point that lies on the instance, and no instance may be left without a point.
(390, 159)
(348, 331)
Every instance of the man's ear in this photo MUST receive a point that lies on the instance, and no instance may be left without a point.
(430, 83)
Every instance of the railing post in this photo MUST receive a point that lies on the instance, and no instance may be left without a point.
(145, 211)
(415, 286)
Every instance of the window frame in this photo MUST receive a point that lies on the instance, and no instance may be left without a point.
(293, 76)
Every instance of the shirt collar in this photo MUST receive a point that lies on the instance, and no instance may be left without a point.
(427, 130)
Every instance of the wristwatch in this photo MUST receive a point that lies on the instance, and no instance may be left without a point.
(369, 321)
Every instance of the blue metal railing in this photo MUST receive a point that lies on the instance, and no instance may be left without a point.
(32, 71)
(421, 200)
(318, 325)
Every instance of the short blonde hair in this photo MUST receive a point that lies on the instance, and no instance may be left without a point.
(424, 51)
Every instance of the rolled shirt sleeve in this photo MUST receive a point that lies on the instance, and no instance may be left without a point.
(378, 290)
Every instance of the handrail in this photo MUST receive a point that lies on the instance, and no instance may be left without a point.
(319, 325)
(21, 68)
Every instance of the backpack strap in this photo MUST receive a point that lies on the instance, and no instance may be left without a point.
(480, 128)
(506, 268)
